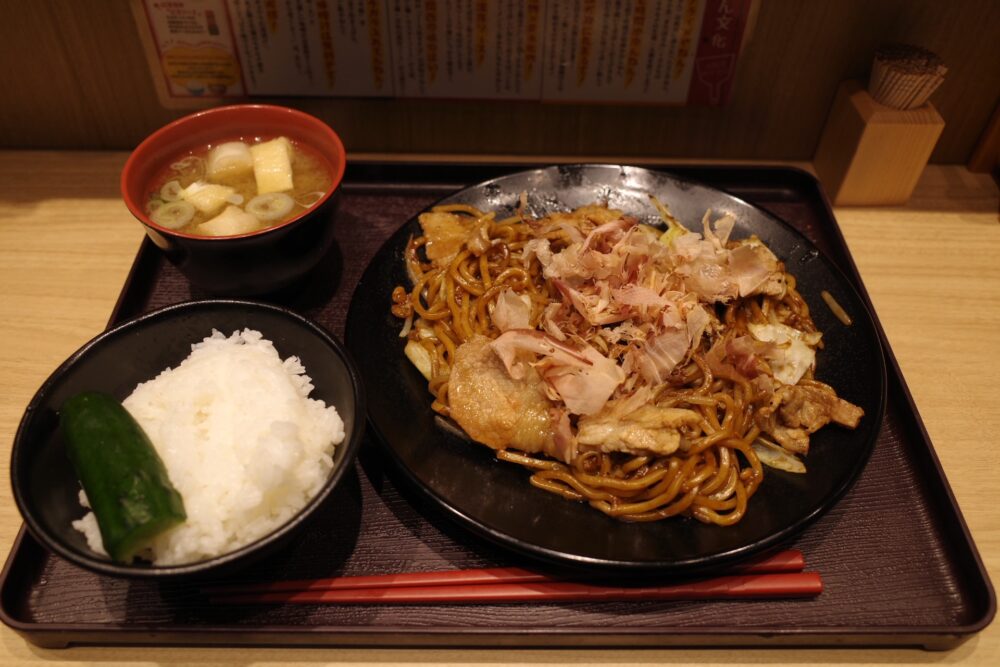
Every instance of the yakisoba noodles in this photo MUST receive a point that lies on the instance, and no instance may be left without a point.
(646, 372)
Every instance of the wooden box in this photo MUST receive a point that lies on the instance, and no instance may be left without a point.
(870, 153)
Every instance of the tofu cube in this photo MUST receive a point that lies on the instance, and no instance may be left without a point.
(272, 165)
(233, 220)
(207, 197)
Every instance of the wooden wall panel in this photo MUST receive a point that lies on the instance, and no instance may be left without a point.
(73, 75)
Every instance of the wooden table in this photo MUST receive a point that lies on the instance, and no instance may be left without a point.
(932, 269)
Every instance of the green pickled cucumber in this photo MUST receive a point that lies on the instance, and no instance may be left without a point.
(125, 480)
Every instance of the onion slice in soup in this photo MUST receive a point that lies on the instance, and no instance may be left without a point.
(171, 191)
(173, 215)
(271, 206)
(229, 160)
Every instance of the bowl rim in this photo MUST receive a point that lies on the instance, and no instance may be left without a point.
(351, 444)
(337, 162)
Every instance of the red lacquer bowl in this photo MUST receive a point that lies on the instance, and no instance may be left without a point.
(246, 264)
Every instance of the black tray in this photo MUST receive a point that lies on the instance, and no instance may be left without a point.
(897, 560)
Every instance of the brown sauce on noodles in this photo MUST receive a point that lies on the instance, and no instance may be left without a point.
(715, 472)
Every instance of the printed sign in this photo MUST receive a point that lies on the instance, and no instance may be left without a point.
(637, 51)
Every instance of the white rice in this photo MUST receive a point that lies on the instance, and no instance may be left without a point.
(242, 443)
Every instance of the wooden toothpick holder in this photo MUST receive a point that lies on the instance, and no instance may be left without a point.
(871, 154)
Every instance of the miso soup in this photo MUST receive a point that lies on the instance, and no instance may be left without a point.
(238, 187)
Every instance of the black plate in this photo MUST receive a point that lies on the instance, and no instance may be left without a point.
(494, 498)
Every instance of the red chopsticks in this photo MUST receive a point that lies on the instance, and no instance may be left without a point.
(778, 575)
(783, 584)
(790, 560)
